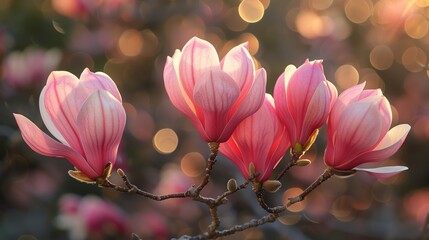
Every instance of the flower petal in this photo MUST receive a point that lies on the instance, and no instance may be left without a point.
(101, 123)
(317, 111)
(239, 65)
(347, 97)
(198, 57)
(280, 99)
(62, 104)
(357, 132)
(215, 94)
(382, 172)
(248, 105)
(99, 80)
(45, 145)
(388, 146)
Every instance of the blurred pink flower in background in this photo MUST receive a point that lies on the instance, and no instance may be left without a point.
(260, 139)
(303, 100)
(29, 67)
(215, 96)
(85, 115)
(358, 132)
(90, 217)
(83, 8)
(173, 180)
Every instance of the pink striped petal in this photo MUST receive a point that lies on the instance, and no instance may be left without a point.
(301, 87)
(62, 105)
(45, 145)
(101, 123)
(355, 132)
(215, 94)
(317, 112)
(99, 80)
(249, 104)
(239, 65)
(175, 90)
(350, 95)
(198, 57)
(383, 172)
(388, 146)
(47, 119)
(280, 99)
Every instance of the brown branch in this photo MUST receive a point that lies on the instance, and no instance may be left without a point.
(214, 147)
(290, 164)
(325, 176)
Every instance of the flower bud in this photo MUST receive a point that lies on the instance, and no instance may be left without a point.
(231, 185)
(271, 186)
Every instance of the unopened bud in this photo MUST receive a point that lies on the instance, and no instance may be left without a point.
(120, 172)
(271, 186)
(303, 162)
(231, 185)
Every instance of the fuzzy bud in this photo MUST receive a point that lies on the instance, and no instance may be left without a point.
(231, 185)
(271, 186)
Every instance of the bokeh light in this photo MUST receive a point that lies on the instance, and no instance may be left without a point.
(358, 11)
(291, 193)
(193, 164)
(131, 43)
(346, 76)
(416, 26)
(381, 57)
(251, 11)
(165, 141)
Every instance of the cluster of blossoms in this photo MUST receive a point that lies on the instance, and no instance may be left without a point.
(226, 100)
(227, 103)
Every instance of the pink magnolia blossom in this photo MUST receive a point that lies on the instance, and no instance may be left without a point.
(303, 100)
(215, 96)
(85, 115)
(358, 132)
(260, 139)
(91, 217)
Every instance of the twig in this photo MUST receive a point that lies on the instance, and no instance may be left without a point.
(214, 147)
(290, 164)
(325, 176)
(131, 188)
(238, 228)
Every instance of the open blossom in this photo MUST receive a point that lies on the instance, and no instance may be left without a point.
(303, 100)
(358, 132)
(261, 140)
(215, 96)
(85, 115)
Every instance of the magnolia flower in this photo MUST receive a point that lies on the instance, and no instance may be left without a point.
(303, 100)
(215, 96)
(258, 143)
(358, 132)
(91, 217)
(87, 118)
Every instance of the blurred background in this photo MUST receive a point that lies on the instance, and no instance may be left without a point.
(382, 42)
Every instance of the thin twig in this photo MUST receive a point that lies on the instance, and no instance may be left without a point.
(214, 147)
(290, 164)
(325, 176)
